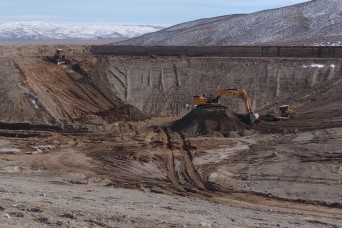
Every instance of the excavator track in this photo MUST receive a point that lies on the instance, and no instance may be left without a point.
(212, 107)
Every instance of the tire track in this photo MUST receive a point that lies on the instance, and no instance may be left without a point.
(188, 169)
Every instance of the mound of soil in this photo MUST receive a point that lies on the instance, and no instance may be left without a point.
(124, 112)
(204, 122)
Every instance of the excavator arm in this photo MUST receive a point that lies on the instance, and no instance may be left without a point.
(234, 92)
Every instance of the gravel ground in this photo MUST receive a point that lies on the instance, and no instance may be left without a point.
(50, 201)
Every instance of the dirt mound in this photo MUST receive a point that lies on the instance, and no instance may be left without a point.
(204, 122)
(41, 93)
(123, 112)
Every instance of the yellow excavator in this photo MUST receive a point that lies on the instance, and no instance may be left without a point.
(212, 101)
(59, 57)
(281, 112)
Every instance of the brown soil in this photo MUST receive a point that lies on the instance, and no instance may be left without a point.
(112, 141)
(209, 122)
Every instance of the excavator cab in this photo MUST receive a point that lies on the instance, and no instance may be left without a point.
(200, 100)
(283, 109)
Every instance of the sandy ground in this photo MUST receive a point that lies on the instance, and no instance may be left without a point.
(155, 178)
(44, 201)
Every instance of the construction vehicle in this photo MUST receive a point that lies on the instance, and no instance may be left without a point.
(60, 57)
(212, 101)
(282, 112)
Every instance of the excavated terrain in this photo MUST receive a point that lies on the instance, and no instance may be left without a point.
(113, 140)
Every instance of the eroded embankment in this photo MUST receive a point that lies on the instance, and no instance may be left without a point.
(36, 90)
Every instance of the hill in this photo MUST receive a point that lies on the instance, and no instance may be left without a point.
(317, 22)
(41, 32)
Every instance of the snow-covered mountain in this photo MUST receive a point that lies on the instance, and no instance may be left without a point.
(317, 22)
(45, 31)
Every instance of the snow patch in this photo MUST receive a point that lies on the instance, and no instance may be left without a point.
(41, 149)
(314, 66)
(41, 30)
(34, 103)
(329, 43)
(10, 150)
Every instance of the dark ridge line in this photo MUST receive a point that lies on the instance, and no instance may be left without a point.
(220, 51)
(40, 127)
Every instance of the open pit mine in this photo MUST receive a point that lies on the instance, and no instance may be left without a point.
(109, 136)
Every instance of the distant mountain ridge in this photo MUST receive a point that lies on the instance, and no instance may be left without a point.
(50, 31)
(317, 22)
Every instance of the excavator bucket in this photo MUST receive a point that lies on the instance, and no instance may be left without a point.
(253, 117)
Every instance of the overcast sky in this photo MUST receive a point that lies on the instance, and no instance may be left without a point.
(153, 12)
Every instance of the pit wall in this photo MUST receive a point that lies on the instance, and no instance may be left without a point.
(165, 85)
(192, 51)
(223, 51)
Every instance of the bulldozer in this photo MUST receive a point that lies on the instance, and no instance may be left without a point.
(281, 112)
(212, 101)
(59, 57)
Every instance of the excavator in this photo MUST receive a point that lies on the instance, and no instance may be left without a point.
(212, 101)
(59, 57)
(281, 112)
